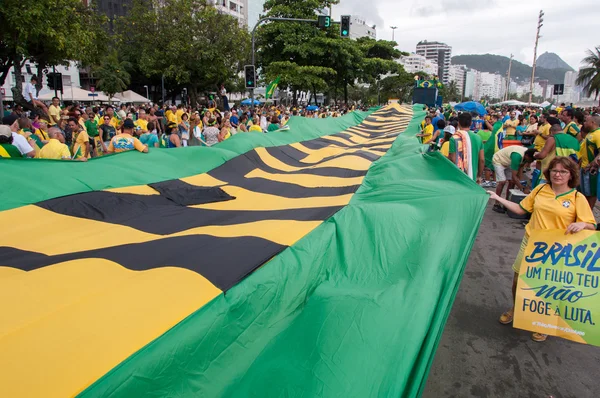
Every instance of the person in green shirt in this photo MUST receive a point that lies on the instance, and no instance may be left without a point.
(274, 124)
(91, 126)
(477, 156)
(494, 142)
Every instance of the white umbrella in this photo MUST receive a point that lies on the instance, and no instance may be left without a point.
(132, 96)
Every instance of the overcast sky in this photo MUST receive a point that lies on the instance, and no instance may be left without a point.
(485, 26)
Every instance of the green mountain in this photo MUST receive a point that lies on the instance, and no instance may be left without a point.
(552, 61)
(520, 72)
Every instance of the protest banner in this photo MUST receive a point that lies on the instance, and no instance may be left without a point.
(557, 292)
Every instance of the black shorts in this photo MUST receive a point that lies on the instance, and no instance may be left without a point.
(92, 143)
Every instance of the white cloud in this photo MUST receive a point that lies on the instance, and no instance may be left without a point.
(485, 26)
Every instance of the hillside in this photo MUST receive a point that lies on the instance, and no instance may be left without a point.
(552, 61)
(498, 64)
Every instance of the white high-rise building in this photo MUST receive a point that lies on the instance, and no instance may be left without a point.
(441, 53)
(359, 28)
(415, 63)
(458, 75)
(235, 8)
(572, 92)
(487, 85)
(470, 77)
(255, 8)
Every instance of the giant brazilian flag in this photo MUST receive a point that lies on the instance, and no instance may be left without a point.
(319, 261)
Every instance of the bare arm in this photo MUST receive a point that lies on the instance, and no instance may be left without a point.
(547, 149)
(512, 206)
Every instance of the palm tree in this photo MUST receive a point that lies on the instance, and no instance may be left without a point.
(112, 75)
(589, 76)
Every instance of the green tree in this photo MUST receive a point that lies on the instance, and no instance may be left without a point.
(192, 44)
(48, 33)
(112, 74)
(589, 76)
(295, 50)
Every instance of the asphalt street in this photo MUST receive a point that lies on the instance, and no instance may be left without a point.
(479, 357)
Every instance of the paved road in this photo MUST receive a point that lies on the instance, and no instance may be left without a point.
(479, 357)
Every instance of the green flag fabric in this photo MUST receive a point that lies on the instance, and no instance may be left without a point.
(305, 264)
(271, 88)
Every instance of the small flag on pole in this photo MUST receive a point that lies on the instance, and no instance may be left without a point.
(271, 88)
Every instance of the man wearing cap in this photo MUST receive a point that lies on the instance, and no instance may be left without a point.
(18, 140)
(7, 149)
(125, 141)
(448, 133)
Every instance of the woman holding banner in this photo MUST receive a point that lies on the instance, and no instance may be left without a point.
(554, 205)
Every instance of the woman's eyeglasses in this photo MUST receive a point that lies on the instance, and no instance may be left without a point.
(561, 172)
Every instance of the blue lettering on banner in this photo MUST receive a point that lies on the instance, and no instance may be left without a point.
(571, 256)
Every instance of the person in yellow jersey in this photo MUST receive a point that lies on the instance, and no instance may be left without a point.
(449, 131)
(172, 115)
(179, 112)
(81, 140)
(54, 112)
(42, 131)
(567, 116)
(590, 159)
(511, 126)
(508, 164)
(142, 121)
(554, 205)
(542, 132)
(56, 147)
(427, 133)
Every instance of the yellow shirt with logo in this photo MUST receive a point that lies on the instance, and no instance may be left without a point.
(589, 146)
(427, 133)
(54, 149)
(539, 142)
(551, 211)
(141, 123)
(79, 144)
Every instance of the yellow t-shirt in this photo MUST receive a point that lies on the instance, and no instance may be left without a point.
(79, 144)
(539, 142)
(124, 143)
(42, 134)
(171, 117)
(141, 123)
(427, 133)
(54, 113)
(54, 149)
(256, 128)
(511, 126)
(178, 114)
(445, 149)
(549, 211)
(590, 144)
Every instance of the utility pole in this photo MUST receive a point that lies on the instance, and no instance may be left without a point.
(507, 97)
(537, 38)
(393, 28)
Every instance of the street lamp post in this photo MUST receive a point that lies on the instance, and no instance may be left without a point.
(147, 92)
(393, 28)
(507, 95)
(537, 38)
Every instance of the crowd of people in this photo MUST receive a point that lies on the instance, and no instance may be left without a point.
(551, 155)
(79, 132)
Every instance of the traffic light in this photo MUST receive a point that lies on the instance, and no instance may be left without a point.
(324, 21)
(250, 76)
(50, 77)
(54, 81)
(345, 26)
